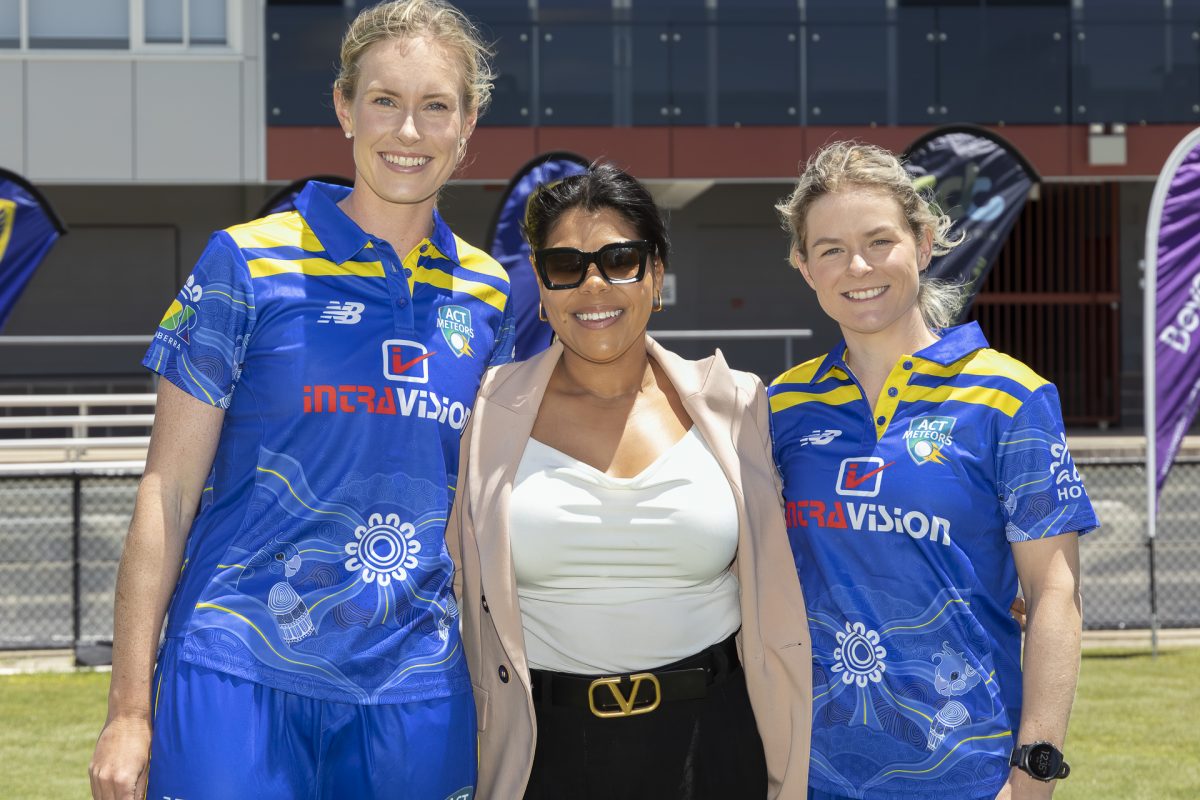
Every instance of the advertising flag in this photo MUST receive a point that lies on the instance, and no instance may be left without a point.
(285, 198)
(982, 183)
(1172, 308)
(28, 229)
(508, 246)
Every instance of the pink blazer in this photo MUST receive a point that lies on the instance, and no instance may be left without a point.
(730, 410)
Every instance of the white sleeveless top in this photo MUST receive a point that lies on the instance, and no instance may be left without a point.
(622, 574)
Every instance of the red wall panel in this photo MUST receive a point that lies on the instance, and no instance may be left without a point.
(728, 153)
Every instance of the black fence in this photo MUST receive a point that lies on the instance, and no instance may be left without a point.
(60, 541)
(61, 538)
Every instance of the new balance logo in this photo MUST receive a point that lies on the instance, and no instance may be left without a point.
(819, 437)
(342, 313)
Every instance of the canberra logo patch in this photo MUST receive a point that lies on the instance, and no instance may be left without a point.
(928, 437)
(455, 324)
(181, 315)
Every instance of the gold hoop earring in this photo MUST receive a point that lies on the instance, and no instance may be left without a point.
(658, 302)
(542, 313)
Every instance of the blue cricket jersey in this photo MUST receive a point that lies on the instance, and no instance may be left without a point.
(901, 525)
(317, 563)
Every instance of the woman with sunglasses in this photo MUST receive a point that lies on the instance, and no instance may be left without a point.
(617, 516)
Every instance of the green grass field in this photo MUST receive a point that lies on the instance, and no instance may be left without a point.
(1134, 732)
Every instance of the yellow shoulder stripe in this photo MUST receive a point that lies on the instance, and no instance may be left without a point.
(977, 395)
(278, 230)
(801, 373)
(991, 362)
(477, 260)
(987, 363)
(839, 396)
(264, 267)
(443, 280)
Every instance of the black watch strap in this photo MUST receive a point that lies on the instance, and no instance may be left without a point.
(1041, 761)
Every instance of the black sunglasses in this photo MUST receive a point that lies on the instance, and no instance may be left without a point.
(619, 262)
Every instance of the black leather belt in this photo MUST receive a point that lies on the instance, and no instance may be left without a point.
(638, 692)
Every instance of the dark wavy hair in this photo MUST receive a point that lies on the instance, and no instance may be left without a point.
(602, 186)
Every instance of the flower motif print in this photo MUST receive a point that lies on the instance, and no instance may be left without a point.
(859, 656)
(384, 549)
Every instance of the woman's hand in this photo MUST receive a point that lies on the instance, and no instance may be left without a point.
(1020, 786)
(1017, 609)
(118, 769)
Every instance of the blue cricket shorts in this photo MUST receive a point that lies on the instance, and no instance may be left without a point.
(219, 737)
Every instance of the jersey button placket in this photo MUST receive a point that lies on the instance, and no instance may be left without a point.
(397, 281)
(888, 401)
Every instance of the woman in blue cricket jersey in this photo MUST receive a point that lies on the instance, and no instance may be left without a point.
(318, 368)
(925, 476)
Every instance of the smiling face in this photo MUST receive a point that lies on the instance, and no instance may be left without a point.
(864, 262)
(599, 321)
(408, 119)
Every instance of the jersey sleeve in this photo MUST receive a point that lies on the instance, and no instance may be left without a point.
(504, 351)
(200, 345)
(1041, 489)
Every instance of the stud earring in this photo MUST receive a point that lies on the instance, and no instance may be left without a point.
(349, 135)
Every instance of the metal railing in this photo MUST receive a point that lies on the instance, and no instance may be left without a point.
(74, 341)
(80, 424)
(83, 440)
(63, 527)
(788, 335)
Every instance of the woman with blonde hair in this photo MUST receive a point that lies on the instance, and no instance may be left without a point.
(317, 370)
(925, 477)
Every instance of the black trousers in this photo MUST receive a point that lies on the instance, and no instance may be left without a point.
(701, 749)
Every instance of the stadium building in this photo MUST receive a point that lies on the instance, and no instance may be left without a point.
(149, 123)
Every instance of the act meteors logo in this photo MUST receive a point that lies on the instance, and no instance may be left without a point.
(8, 215)
(927, 438)
(455, 324)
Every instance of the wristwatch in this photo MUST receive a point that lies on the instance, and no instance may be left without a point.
(1041, 760)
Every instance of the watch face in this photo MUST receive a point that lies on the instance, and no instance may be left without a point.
(1044, 761)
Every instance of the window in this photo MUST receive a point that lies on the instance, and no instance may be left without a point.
(164, 22)
(116, 24)
(10, 23)
(206, 21)
(90, 25)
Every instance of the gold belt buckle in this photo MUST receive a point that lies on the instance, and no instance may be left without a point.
(625, 707)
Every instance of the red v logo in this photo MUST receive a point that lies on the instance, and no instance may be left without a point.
(854, 480)
(399, 367)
